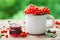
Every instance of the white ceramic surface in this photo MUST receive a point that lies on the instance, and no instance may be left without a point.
(36, 24)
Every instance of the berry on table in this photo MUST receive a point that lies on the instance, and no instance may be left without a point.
(23, 34)
(4, 31)
(54, 32)
(57, 22)
(6, 36)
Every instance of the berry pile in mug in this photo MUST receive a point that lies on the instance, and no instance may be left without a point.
(35, 10)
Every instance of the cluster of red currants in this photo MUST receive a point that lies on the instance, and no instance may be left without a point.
(35, 10)
(4, 32)
(57, 24)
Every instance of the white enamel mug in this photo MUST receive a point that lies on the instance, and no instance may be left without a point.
(36, 24)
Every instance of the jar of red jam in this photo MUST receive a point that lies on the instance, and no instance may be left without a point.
(15, 30)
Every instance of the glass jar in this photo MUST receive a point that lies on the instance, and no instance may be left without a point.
(15, 29)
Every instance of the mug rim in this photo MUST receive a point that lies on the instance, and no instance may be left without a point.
(35, 15)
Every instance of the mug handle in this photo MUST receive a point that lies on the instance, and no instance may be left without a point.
(53, 20)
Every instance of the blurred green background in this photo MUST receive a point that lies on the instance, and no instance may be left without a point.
(14, 9)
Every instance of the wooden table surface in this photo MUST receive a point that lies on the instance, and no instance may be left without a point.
(29, 37)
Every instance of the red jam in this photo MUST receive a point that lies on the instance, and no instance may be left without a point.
(15, 30)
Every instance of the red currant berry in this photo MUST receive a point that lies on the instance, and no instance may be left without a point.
(48, 11)
(2, 32)
(6, 36)
(56, 26)
(54, 32)
(27, 12)
(57, 22)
